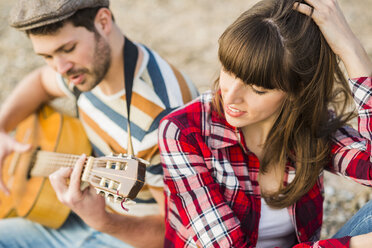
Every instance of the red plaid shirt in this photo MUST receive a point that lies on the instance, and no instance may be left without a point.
(211, 187)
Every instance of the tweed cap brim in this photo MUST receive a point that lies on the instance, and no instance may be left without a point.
(29, 14)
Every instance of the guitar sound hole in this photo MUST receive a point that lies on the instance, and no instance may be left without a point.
(32, 161)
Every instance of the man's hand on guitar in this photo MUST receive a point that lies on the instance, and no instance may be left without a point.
(8, 145)
(87, 204)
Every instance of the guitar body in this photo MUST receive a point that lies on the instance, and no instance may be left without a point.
(33, 197)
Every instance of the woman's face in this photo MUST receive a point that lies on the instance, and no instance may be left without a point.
(246, 105)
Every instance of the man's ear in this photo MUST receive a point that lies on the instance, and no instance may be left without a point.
(103, 21)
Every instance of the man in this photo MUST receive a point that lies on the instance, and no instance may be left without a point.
(83, 49)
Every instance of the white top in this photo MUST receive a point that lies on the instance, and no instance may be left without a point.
(275, 228)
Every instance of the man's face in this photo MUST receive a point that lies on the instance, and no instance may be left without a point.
(80, 56)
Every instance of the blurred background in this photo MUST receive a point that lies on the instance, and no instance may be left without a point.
(185, 32)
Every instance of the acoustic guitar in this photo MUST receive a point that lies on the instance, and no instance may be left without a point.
(57, 140)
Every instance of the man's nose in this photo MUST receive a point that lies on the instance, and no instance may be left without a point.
(62, 65)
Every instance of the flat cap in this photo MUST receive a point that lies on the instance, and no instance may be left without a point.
(29, 14)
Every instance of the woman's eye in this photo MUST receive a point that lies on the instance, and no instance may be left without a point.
(259, 92)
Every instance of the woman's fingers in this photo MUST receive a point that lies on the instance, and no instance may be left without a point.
(319, 4)
(304, 8)
(319, 11)
(332, 23)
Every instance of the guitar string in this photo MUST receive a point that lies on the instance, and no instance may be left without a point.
(56, 154)
(52, 161)
(72, 156)
(69, 159)
(61, 163)
(44, 168)
(44, 165)
(51, 164)
(66, 160)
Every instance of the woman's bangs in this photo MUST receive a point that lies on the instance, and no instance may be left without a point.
(255, 55)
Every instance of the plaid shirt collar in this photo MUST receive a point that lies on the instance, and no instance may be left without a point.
(222, 133)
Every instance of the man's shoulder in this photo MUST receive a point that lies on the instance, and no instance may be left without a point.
(172, 86)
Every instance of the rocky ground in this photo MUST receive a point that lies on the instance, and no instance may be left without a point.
(186, 33)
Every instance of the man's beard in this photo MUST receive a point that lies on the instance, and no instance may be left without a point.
(101, 64)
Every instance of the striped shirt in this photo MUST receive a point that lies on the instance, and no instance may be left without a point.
(158, 88)
(211, 183)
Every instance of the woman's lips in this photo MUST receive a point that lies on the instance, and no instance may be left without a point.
(233, 112)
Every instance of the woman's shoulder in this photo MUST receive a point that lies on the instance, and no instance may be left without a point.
(194, 115)
(200, 106)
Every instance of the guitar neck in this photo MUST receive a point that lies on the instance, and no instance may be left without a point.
(117, 177)
(45, 163)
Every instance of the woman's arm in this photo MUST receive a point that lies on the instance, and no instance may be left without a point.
(196, 208)
(352, 150)
(335, 29)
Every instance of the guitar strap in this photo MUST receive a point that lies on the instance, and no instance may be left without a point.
(77, 94)
(130, 55)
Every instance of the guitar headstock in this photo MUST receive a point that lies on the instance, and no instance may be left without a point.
(116, 176)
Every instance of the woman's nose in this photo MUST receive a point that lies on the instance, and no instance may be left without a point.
(233, 93)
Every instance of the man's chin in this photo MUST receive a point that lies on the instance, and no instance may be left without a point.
(84, 87)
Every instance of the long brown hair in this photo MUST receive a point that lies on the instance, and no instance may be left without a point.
(275, 47)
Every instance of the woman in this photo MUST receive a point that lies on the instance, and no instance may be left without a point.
(243, 166)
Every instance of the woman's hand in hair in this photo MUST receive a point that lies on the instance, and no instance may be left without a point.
(334, 27)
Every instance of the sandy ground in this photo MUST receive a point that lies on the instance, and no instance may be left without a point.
(185, 32)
